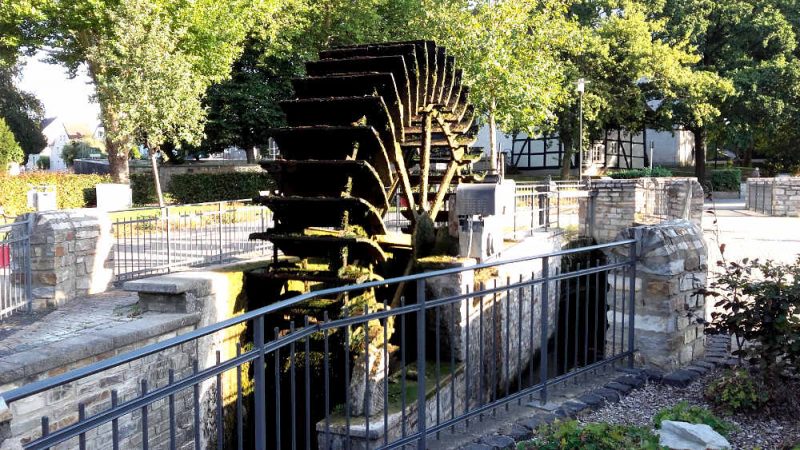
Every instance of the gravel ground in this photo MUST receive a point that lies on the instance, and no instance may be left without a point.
(752, 431)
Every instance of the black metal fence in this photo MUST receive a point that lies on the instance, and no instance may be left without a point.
(299, 379)
(15, 265)
(151, 241)
(760, 195)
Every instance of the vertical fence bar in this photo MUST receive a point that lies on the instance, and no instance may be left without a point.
(219, 221)
(260, 388)
(114, 422)
(169, 241)
(421, 410)
(543, 370)
(27, 263)
(632, 309)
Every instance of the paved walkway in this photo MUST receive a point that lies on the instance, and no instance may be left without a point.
(747, 234)
(23, 332)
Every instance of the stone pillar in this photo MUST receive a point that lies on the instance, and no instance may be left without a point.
(5, 422)
(619, 204)
(671, 267)
(70, 255)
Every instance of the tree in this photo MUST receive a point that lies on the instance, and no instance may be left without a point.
(242, 109)
(199, 40)
(732, 38)
(10, 151)
(508, 50)
(23, 114)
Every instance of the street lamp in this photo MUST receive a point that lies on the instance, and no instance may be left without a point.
(581, 88)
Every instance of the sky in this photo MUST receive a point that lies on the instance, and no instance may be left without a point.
(69, 99)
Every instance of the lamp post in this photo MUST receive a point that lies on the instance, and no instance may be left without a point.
(581, 88)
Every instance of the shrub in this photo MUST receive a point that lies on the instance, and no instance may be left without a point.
(737, 391)
(682, 412)
(641, 173)
(598, 436)
(212, 187)
(72, 191)
(143, 190)
(728, 180)
(43, 163)
(759, 303)
(10, 151)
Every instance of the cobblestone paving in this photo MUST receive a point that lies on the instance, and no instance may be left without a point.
(23, 332)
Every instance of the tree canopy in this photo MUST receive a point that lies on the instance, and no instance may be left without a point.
(10, 151)
(23, 113)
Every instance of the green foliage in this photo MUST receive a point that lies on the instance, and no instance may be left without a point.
(43, 163)
(23, 113)
(682, 412)
(72, 191)
(759, 303)
(599, 436)
(10, 151)
(201, 187)
(78, 149)
(657, 171)
(212, 187)
(143, 190)
(726, 180)
(738, 391)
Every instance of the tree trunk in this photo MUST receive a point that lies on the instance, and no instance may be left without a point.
(118, 161)
(156, 178)
(251, 155)
(748, 156)
(492, 139)
(566, 166)
(700, 154)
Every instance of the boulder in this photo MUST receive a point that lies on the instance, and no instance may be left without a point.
(690, 436)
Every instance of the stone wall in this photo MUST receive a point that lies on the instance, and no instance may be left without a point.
(21, 421)
(70, 255)
(170, 305)
(778, 196)
(618, 204)
(671, 267)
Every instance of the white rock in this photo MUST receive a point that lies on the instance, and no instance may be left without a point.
(690, 436)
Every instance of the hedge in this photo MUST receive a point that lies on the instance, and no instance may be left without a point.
(657, 171)
(72, 191)
(728, 180)
(212, 187)
(201, 187)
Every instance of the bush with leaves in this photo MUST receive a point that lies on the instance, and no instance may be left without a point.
(656, 171)
(683, 412)
(10, 151)
(737, 391)
(759, 304)
(599, 436)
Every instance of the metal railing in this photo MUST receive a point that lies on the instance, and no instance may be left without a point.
(312, 384)
(15, 265)
(151, 241)
(760, 194)
(545, 205)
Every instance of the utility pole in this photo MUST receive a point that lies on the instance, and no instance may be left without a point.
(580, 89)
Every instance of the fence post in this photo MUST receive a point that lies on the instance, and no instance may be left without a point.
(169, 242)
(260, 387)
(632, 293)
(219, 220)
(421, 410)
(545, 300)
(27, 262)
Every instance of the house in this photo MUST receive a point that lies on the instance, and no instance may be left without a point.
(617, 149)
(60, 133)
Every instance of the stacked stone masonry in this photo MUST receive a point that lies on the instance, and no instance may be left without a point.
(778, 196)
(70, 255)
(672, 266)
(617, 204)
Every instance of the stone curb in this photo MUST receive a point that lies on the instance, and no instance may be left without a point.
(508, 436)
(18, 366)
